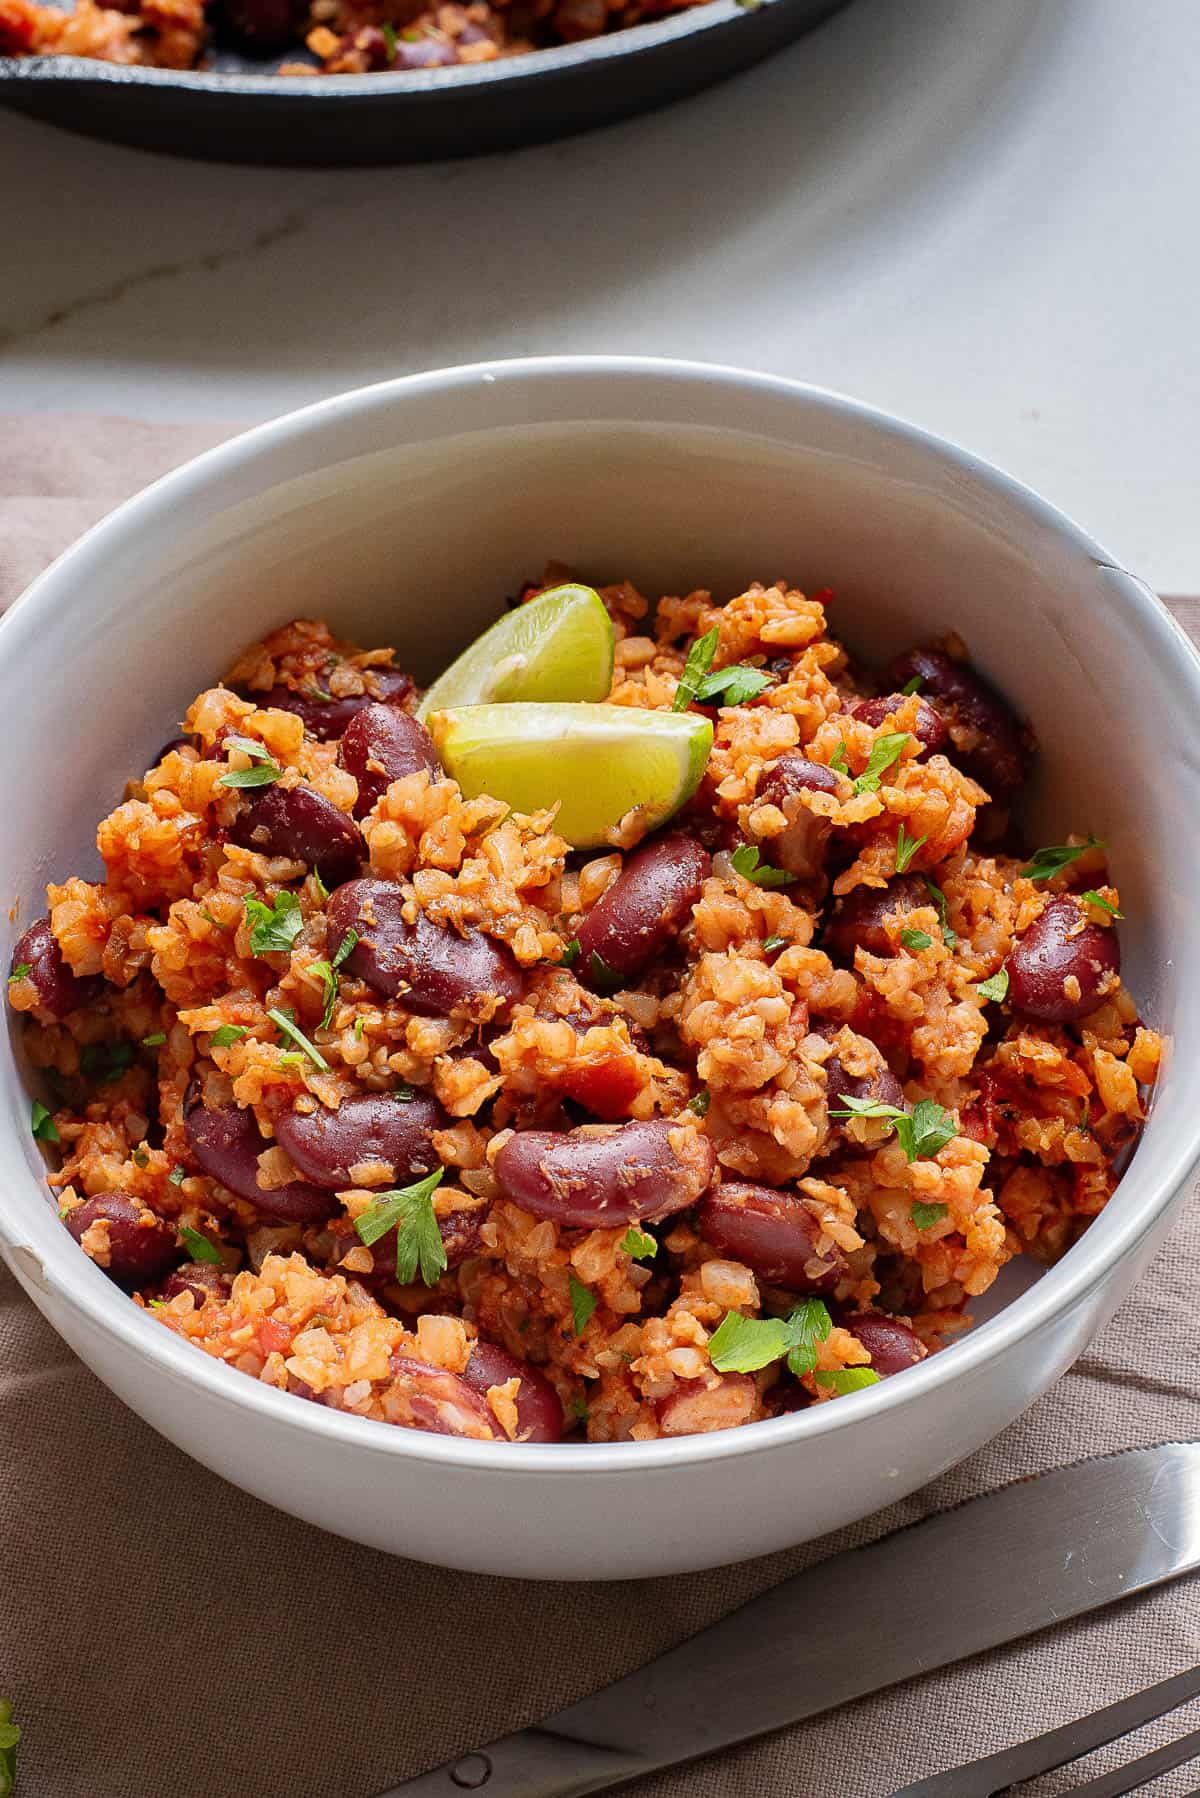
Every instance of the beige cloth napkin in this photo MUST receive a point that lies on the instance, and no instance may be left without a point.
(164, 1636)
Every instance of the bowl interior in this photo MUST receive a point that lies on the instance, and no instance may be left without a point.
(407, 514)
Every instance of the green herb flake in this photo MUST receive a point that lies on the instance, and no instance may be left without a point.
(604, 978)
(700, 1103)
(747, 862)
(139, 1157)
(409, 1211)
(1092, 897)
(906, 848)
(884, 752)
(225, 1034)
(177, 1176)
(924, 1215)
(199, 1247)
(1084, 1126)
(848, 1379)
(1046, 863)
(322, 889)
(215, 922)
(275, 927)
(996, 987)
(403, 1094)
(358, 1030)
(389, 40)
(911, 686)
(106, 1061)
(583, 1302)
(733, 685)
(810, 1323)
(837, 760)
(577, 1410)
(916, 939)
(939, 899)
(42, 1124)
(155, 1040)
(291, 1030)
(920, 1133)
(570, 954)
(639, 1243)
(19, 972)
(699, 661)
(744, 1344)
(327, 973)
(263, 771)
(10, 1735)
(774, 942)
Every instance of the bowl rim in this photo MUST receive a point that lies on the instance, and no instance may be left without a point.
(1113, 1236)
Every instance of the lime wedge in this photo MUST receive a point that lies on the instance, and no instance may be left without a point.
(559, 646)
(597, 762)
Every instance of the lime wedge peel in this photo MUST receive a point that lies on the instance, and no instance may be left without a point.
(596, 762)
(559, 646)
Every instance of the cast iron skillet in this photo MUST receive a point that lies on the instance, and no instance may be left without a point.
(240, 112)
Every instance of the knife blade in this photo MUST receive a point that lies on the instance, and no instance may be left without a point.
(1081, 1537)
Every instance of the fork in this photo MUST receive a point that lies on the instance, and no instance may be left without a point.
(998, 1772)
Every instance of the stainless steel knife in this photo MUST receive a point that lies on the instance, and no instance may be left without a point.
(1054, 1546)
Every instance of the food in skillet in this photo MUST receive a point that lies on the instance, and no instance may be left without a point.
(341, 37)
(614, 1047)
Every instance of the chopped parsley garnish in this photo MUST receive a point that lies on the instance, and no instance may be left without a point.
(747, 862)
(155, 1040)
(1092, 897)
(42, 1124)
(570, 953)
(288, 1026)
(403, 1094)
(837, 760)
(848, 1379)
(744, 1344)
(583, 1303)
(700, 1104)
(19, 972)
(261, 774)
(884, 751)
(939, 899)
(107, 1061)
(209, 919)
(199, 1247)
(1084, 1126)
(911, 686)
(810, 1323)
(177, 1176)
(140, 1158)
(920, 1133)
(328, 973)
(358, 1030)
(1046, 863)
(275, 927)
(916, 939)
(224, 1034)
(924, 1215)
(389, 39)
(733, 685)
(996, 987)
(409, 1211)
(577, 1410)
(639, 1243)
(906, 848)
(699, 661)
(774, 942)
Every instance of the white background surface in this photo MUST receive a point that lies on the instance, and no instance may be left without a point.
(982, 214)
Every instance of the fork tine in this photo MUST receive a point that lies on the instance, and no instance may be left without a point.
(1141, 1772)
(984, 1778)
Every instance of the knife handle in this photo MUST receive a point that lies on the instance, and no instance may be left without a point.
(531, 1763)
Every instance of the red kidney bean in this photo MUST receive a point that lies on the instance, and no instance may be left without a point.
(647, 905)
(140, 1245)
(58, 990)
(1062, 967)
(698, 1406)
(800, 849)
(443, 1402)
(227, 1143)
(432, 968)
(600, 1177)
(891, 1345)
(773, 1233)
(382, 744)
(201, 1279)
(1000, 759)
(325, 1144)
(539, 1413)
(930, 728)
(304, 826)
(326, 719)
(858, 922)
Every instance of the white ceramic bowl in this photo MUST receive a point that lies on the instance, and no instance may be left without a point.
(404, 513)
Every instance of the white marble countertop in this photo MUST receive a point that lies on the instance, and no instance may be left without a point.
(978, 213)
